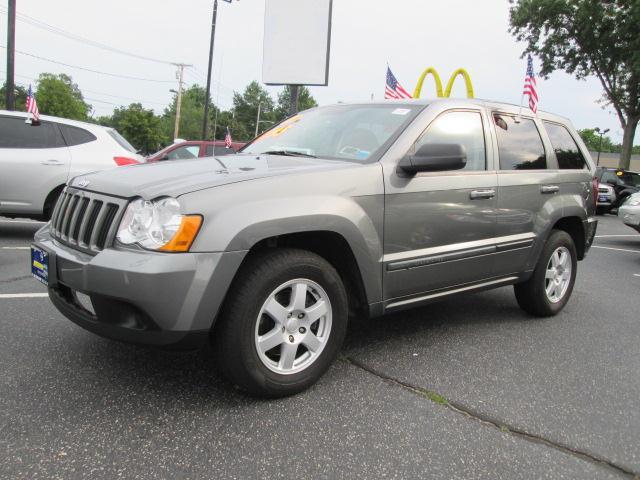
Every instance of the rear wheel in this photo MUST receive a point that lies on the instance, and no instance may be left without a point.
(549, 288)
(283, 323)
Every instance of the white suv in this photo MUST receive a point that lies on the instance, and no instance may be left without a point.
(37, 160)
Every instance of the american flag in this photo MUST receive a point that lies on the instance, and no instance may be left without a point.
(32, 106)
(393, 89)
(227, 139)
(530, 86)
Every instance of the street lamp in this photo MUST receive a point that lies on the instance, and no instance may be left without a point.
(601, 133)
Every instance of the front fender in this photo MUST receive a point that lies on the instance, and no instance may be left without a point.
(236, 217)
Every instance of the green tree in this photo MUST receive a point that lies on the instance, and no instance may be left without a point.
(57, 95)
(585, 38)
(592, 141)
(191, 114)
(20, 95)
(305, 101)
(245, 107)
(141, 127)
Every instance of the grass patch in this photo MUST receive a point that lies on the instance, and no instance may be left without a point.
(435, 397)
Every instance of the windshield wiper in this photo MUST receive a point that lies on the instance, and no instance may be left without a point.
(289, 153)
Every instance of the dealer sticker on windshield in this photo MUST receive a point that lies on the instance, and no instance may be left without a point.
(401, 111)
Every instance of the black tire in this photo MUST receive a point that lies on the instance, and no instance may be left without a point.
(234, 334)
(602, 210)
(531, 295)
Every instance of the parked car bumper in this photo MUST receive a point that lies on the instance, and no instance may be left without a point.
(139, 296)
(630, 215)
(590, 226)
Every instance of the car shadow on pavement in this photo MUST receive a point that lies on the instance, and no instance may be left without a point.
(488, 308)
(105, 367)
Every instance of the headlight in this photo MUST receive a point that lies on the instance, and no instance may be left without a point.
(158, 225)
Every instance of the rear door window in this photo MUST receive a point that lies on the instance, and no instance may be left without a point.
(15, 133)
(75, 135)
(519, 143)
(567, 151)
(464, 128)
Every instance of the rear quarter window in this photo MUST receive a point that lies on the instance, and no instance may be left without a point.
(565, 147)
(75, 135)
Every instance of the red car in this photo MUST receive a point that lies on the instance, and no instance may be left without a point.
(194, 149)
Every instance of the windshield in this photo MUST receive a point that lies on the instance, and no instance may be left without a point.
(629, 178)
(339, 132)
(121, 141)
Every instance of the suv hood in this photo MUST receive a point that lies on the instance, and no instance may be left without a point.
(177, 177)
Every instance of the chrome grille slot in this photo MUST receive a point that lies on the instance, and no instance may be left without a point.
(105, 225)
(86, 238)
(86, 221)
(71, 208)
(77, 222)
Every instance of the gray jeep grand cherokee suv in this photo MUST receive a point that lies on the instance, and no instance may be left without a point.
(350, 209)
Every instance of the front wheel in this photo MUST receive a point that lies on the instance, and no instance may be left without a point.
(549, 288)
(283, 323)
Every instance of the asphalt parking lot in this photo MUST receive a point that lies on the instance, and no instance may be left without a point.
(467, 388)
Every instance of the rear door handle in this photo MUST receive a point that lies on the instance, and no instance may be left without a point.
(52, 162)
(549, 189)
(482, 194)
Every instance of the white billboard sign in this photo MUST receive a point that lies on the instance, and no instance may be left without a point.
(297, 35)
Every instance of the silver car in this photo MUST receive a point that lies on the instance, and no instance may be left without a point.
(343, 210)
(36, 161)
(629, 211)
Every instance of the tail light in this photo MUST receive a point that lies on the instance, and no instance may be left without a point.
(122, 161)
(594, 184)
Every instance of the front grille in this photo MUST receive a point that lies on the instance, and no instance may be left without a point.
(603, 190)
(86, 221)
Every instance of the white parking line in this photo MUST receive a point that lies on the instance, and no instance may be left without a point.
(16, 248)
(29, 222)
(636, 274)
(23, 295)
(618, 249)
(605, 236)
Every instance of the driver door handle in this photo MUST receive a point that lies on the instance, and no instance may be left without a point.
(482, 194)
(52, 162)
(549, 189)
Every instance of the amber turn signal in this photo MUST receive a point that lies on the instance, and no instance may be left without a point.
(186, 234)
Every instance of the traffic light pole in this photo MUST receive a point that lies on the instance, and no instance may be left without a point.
(10, 99)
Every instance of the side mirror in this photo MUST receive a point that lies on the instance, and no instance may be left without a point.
(435, 157)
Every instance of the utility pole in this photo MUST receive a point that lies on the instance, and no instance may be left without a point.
(180, 76)
(258, 118)
(293, 99)
(10, 99)
(205, 120)
(601, 133)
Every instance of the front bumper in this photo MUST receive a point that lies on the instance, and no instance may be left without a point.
(139, 296)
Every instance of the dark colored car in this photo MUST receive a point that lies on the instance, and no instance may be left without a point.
(624, 183)
(194, 149)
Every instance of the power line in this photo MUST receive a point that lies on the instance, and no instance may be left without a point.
(58, 31)
(164, 104)
(89, 69)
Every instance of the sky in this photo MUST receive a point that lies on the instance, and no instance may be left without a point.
(409, 35)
